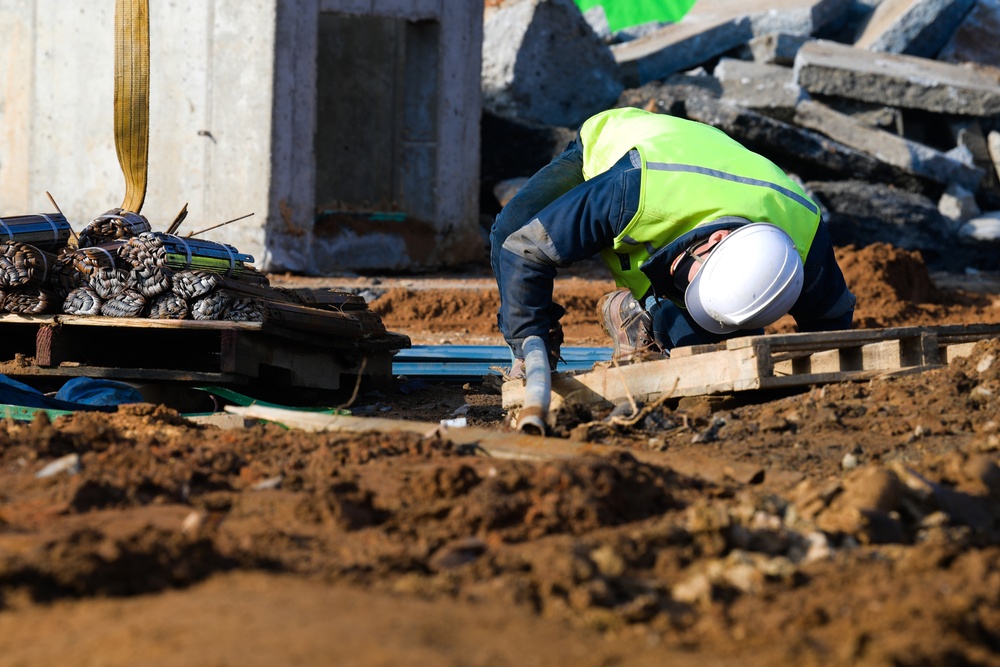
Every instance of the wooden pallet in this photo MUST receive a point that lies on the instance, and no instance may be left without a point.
(284, 351)
(767, 362)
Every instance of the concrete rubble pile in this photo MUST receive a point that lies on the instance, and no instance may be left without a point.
(888, 112)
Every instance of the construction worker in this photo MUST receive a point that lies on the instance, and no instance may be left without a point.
(708, 239)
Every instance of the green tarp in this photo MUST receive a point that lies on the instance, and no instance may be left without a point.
(623, 14)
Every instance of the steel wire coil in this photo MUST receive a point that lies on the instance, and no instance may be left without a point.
(111, 226)
(83, 300)
(22, 264)
(110, 282)
(31, 301)
(212, 306)
(193, 284)
(244, 309)
(168, 306)
(130, 303)
(46, 231)
(151, 281)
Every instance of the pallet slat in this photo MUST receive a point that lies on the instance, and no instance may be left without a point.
(770, 361)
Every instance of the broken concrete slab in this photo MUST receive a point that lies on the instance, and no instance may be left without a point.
(910, 156)
(713, 28)
(985, 227)
(777, 48)
(823, 67)
(802, 151)
(993, 145)
(912, 27)
(958, 204)
(768, 89)
(542, 63)
(975, 39)
(862, 213)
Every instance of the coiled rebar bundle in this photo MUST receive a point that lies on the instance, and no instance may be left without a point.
(113, 225)
(168, 306)
(127, 304)
(22, 264)
(83, 300)
(31, 301)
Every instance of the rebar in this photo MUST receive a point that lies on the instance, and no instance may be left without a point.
(46, 231)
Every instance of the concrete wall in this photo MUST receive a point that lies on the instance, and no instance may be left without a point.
(233, 123)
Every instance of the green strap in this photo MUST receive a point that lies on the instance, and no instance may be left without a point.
(244, 401)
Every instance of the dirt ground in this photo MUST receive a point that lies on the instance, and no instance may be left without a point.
(849, 524)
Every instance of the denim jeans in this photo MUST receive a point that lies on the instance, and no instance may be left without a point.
(561, 175)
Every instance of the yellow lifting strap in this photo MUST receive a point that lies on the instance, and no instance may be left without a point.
(132, 98)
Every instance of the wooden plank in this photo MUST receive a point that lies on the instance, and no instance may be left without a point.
(80, 370)
(709, 373)
(760, 362)
(517, 446)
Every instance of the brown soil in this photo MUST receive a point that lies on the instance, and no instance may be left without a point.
(848, 524)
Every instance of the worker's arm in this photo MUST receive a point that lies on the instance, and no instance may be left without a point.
(577, 226)
(825, 304)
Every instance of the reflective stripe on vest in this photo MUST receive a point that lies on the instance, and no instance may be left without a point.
(692, 174)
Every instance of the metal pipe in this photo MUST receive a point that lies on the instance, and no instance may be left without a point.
(537, 387)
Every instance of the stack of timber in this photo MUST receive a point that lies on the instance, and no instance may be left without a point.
(128, 303)
(777, 361)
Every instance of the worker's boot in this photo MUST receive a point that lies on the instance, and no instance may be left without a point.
(629, 325)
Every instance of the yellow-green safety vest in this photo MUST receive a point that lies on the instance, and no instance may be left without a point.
(692, 174)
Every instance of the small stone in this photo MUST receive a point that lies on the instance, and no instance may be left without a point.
(69, 464)
(984, 363)
(268, 484)
(608, 561)
(192, 523)
(849, 462)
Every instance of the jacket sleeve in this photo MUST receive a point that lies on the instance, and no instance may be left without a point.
(576, 226)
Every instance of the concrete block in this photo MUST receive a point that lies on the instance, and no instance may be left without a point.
(542, 63)
(713, 28)
(863, 213)
(795, 149)
(909, 156)
(993, 145)
(767, 89)
(16, 93)
(827, 68)
(913, 27)
(777, 48)
(958, 204)
(975, 39)
(985, 227)
(234, 122)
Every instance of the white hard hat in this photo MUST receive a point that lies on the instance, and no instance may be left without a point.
(750, 279)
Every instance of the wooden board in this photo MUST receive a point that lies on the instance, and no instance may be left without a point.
(216, 352)
(766, 362)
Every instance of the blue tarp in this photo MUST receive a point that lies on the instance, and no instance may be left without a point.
(77, 394)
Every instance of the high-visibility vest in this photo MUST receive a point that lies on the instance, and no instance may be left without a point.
(692, 174)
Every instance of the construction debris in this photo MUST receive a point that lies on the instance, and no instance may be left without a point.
(898, 106)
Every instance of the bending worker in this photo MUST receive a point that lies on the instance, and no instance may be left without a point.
(708, 239)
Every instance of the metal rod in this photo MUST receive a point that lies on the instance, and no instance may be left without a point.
(221, 224)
